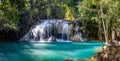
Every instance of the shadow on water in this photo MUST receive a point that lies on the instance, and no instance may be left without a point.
(15, 51)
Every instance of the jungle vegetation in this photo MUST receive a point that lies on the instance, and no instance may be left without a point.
(97, 18)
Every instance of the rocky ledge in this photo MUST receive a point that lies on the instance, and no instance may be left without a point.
(111, 52)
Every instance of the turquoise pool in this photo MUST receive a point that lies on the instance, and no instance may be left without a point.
(37, 51)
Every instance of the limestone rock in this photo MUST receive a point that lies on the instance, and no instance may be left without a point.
(53, 39)
(110, 53)
(75, 39)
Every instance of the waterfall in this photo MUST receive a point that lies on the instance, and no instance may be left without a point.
(53, 30)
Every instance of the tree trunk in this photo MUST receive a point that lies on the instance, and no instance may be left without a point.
(114, 35)
(30, 21)
(104, 25)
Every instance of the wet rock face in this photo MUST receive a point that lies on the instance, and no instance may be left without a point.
(54, 29)
(110, 53)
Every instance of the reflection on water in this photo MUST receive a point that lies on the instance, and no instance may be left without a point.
(36, 51)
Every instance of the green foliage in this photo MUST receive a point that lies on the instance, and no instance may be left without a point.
(89, 12)
(103, 12)
(9, 12)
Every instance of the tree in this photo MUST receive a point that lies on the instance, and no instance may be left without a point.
(9, 12)
(103, 12)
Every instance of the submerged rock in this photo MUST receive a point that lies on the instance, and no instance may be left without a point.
(68, 59)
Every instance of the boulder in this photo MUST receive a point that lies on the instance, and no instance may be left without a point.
(75, 38)
(53, 39)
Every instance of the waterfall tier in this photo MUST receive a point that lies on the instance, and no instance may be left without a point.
(53, 30)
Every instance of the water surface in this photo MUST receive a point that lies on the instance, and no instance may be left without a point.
(37, 51)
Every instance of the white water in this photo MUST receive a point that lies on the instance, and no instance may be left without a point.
(59, 29)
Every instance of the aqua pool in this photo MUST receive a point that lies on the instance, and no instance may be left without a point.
(37, 51)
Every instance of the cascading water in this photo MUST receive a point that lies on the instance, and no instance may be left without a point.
(53, 30)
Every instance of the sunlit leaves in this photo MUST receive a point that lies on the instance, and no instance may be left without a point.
(10, 11)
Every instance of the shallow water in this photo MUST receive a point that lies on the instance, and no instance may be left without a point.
(37, 51)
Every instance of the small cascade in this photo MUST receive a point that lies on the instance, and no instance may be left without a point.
(54, 30)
